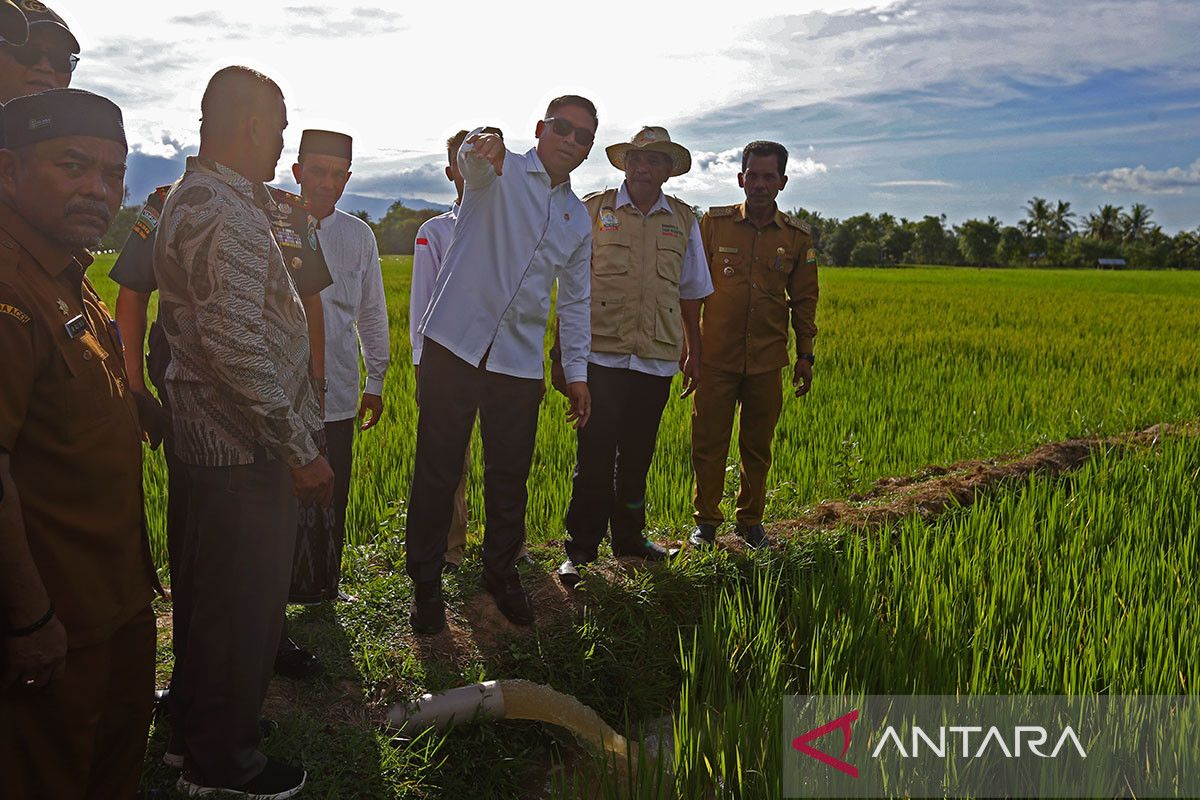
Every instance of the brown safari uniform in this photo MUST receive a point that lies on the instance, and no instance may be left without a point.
(763, 278)
(71, 429)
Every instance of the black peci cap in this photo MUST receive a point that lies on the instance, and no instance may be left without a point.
(55, 113)
(326, 143)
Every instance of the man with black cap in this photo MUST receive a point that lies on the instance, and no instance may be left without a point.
(243, 416)
(649, 277)
(45, 60)
(77, 653)
(355, 309)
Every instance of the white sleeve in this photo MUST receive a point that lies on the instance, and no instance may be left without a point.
(695, 282)
(373, 321)
(575, 312)
(424, 277)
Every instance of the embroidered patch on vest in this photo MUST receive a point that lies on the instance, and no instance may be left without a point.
(609, 221)
(672, 230)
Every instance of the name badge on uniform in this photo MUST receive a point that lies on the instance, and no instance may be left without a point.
(730, 250)
(608, 220)
(76, 326)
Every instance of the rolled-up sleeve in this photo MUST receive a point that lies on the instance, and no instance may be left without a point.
(575, 312)
(229, 278)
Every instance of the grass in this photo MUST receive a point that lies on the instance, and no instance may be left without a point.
(1074, 584)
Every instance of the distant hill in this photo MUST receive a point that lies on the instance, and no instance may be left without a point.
(148, 172)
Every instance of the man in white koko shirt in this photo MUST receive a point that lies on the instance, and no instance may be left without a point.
(355, 307)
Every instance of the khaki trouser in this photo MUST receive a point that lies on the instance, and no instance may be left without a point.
(456, 539)
(84, 736)
(716, 400)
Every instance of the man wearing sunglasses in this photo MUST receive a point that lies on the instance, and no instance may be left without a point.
(45, 61)
(520, 229)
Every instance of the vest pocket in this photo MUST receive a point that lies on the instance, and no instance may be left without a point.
(606, 317)
(668, 327)
(670, 259)
(610, 253)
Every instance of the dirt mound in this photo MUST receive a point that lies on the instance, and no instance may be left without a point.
(932, 490)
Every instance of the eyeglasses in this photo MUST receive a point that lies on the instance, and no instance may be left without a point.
(563, 128)
(29, 55)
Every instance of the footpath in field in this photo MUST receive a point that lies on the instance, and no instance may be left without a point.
(478, 627)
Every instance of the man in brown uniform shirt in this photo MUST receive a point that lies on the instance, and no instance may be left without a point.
(77, 654)
(764, 272)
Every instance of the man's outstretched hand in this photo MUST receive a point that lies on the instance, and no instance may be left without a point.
(581, 404)
(490, 148)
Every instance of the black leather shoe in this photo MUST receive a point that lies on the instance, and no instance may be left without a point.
(293, 661)
(568, 573)
(703, 535)
(647, 550)
(427, 615)
(510, 598)
(754, 535)
(449, 567)
(277, 781)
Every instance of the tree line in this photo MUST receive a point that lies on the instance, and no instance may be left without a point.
(1050, 235)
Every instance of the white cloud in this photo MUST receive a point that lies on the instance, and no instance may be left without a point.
(1140, 180)
(915, 184)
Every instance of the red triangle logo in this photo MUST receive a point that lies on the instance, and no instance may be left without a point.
(801, 743)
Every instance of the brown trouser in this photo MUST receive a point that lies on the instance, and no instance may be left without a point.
(84, 736)
(716, 401)
(456, 539)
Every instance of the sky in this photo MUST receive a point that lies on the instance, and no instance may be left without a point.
(915, 107)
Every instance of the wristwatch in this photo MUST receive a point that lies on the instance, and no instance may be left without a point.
(809, 357)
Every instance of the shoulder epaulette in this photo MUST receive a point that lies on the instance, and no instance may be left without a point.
(721, 211)
(284, 196)
(797, 224)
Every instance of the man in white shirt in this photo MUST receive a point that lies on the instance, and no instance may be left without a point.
(429, 251)
(649, 277)
(355, 308)
(520, 229)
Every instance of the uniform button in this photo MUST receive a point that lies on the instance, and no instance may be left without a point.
(87, 355)
(755, 285)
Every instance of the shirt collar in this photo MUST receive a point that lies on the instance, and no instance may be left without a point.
(623, 199)
(51, 256)
(777, 220)
(255, 191)
(534, 164)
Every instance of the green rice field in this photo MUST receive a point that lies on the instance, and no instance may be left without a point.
(1079, 583)
(915, 366)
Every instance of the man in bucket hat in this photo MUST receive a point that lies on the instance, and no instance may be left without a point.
(649, 277)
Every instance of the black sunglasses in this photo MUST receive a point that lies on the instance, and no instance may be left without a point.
(28, 55)
(563, 128)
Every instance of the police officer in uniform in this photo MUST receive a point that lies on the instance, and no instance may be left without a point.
(764, 273)
(77, 646)
(649, 277)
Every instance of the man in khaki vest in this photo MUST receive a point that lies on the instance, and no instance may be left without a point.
(764, 274)
(649, 277)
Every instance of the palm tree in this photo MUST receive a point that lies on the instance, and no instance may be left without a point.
(1038, 217)
(1136, 224)
(1105, 224)
(1061, 217)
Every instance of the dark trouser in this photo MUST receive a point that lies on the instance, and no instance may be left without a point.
(717, 399)
(612, 460)
(339, 438)
(177, 510)
(84, 736)
(233, 577)
(452, 391)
